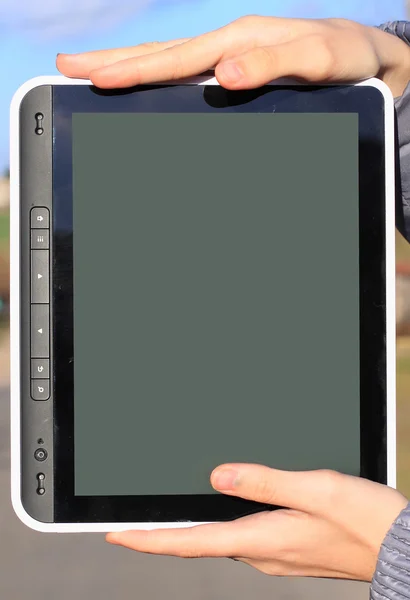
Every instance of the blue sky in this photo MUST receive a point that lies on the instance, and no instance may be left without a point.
(31, 33)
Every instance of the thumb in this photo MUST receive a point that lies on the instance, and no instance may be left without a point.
(315, 58)
(307, 491)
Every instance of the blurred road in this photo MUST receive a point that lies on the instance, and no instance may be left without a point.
(36, 566)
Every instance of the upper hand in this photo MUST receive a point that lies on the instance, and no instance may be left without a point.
(333, 527)
(252, 51)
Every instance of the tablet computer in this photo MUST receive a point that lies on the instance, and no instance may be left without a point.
(199, 276)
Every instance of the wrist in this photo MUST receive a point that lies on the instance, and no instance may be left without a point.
(394, 60)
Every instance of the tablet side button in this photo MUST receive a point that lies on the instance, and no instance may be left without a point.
(40, 239)
(39, 276)
(40, 218)
(40, 336)
(40, 389)
(40, 368)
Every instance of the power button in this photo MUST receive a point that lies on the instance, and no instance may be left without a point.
(40, 454)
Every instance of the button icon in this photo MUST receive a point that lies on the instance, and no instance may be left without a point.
(40, 273)
(40, 239)
(40, 389)
(40, 369)
(40, 331)
(40, 218)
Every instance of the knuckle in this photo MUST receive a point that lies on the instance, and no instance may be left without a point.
(344, 23)
(150, 45)
(191, 554)
(265, 492)
(330, 485)
(263, 57)
(285, 549)
(267, 568)
(248, 20)
(324, 51)
(322, 55)
(191, 548)
(177, 65)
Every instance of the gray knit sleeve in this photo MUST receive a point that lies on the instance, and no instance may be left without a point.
(401, 29)
(391, 580)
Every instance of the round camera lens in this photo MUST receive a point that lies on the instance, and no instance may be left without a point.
(40, 454)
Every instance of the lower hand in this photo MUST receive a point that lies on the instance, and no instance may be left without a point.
(333, 527)
(252, 51)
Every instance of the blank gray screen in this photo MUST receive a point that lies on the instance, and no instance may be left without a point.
(216, 297)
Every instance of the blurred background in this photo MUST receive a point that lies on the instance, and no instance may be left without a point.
(50, 567)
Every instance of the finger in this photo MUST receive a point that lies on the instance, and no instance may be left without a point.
(80, 65)
(313, 58)
(306, 491)
(183, 60)
(215, 540)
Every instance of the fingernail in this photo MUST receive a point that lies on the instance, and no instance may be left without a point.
(231, 71)
(225, 479)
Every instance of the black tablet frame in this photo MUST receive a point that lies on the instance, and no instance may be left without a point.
(368, 103)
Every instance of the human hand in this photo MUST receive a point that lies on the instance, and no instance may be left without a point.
(253, 51)
(333, 527)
